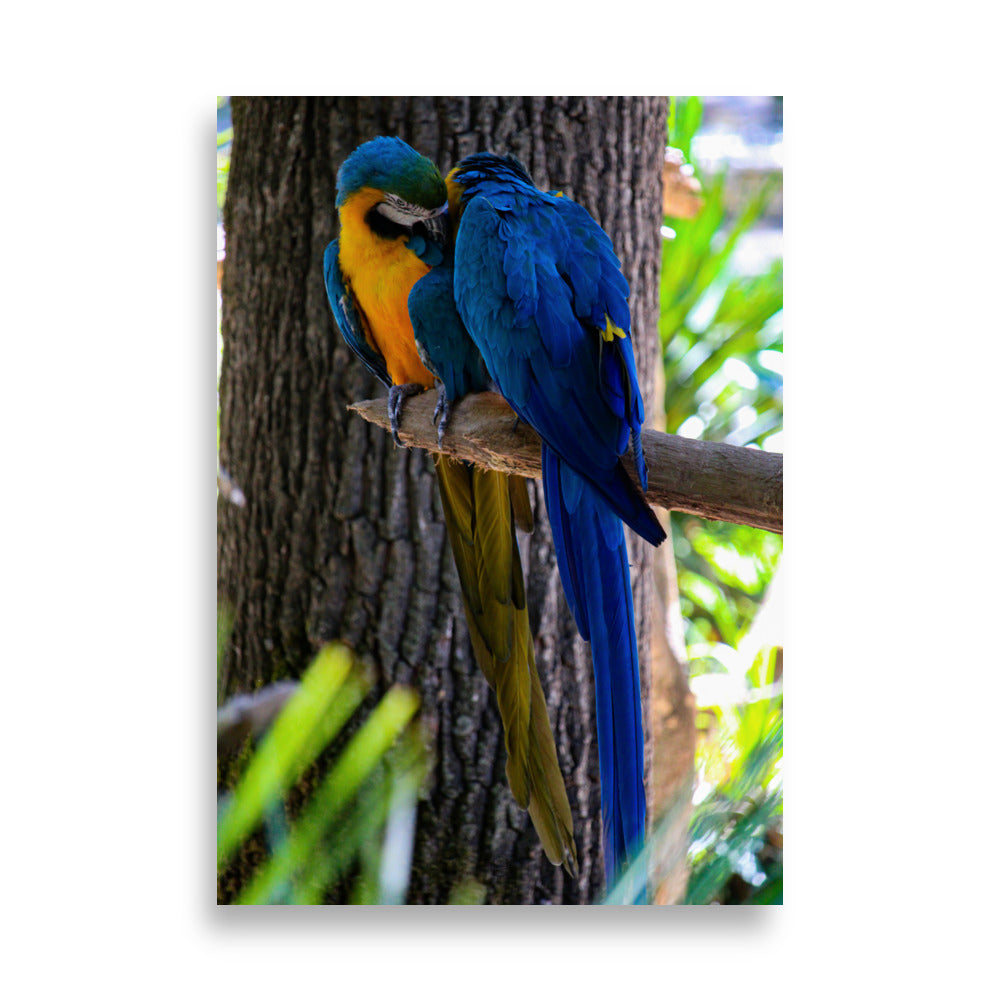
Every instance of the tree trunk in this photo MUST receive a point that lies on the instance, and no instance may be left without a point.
(341, 536)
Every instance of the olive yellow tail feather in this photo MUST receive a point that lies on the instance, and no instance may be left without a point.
(480, 513)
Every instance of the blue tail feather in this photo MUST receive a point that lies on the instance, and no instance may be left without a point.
(593, 562)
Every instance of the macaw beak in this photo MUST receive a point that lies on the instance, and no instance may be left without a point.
(437, 226)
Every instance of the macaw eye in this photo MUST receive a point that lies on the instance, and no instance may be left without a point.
(399, 212)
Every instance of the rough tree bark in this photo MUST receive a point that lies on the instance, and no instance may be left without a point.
(341, 536)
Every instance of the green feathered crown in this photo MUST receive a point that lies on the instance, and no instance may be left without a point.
(389, 164)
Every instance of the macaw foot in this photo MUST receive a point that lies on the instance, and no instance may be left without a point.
(397, 393)
(442, 412)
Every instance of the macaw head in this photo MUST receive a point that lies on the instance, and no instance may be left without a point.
(403, 193)
(464, 180)
(481, 167)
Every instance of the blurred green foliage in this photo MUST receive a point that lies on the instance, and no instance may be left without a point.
(223, 141)
(736, 839)
(359, 817)
(723, 573)
(722, 336)
(718, 329)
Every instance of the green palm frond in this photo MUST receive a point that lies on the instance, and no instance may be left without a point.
(360, 816)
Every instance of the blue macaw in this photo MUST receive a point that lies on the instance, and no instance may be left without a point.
(540, 292)
(392, 204)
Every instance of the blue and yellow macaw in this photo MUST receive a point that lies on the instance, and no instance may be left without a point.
(539, 290)
(392, 204)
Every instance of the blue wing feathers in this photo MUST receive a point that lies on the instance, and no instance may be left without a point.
(441, 336)
(348, 315)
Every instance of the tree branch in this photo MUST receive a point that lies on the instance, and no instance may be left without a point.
(717, 481)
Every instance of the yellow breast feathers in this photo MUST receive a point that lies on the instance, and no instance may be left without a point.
(381, 272)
